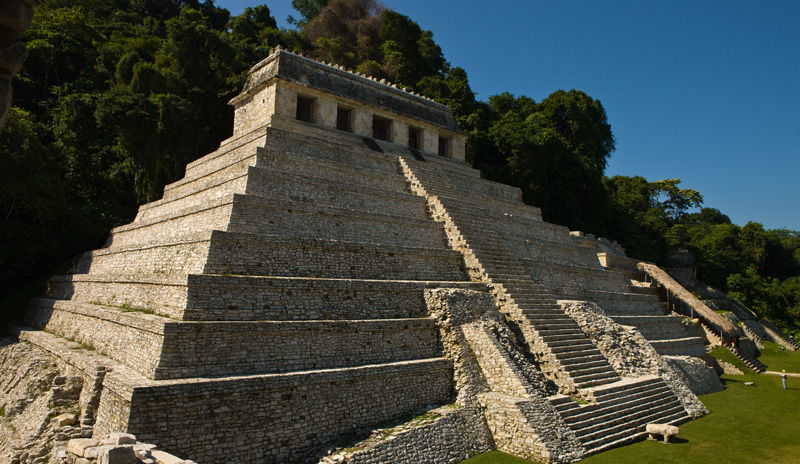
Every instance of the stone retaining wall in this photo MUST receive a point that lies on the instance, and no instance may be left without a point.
(131, 339)
(261, 216)
(271, 414)
(290, 257)
(159, 349)
(163, 294)
(187, 256)
(458, 434)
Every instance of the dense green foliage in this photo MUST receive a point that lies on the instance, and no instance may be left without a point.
(117, 96)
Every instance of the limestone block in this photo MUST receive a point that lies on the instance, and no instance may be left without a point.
(166, 458)
(665, 430)
(400, 132)
(362, 122)
(430, 141)
(77, 446)
(119, 438)
(326, 113)
(65, 419)
(117, 455)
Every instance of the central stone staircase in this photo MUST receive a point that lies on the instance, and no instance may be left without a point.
(530, 265)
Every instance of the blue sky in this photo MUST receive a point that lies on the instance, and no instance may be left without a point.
(704, 91)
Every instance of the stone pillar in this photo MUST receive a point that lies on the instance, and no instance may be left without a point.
(399, 132)
(362, 122)
(285, 101)
(458, 148)
(326, 113)
(430, 140)
(15, 17)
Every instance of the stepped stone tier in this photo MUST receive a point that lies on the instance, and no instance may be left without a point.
(334, 267)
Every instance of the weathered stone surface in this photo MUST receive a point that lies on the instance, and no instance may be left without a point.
(117, 455)
(78, 446)
(701, 377)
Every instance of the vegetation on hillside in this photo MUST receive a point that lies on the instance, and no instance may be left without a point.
(117, 96)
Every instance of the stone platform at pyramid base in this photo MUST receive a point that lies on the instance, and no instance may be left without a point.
(260, 418)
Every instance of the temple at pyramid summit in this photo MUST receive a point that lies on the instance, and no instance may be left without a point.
(336, 284)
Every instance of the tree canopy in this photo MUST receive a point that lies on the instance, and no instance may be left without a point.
(117, 96)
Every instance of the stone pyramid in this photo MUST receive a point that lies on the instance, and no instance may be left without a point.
(335, 265)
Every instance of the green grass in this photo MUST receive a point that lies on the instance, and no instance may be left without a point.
(759, 424)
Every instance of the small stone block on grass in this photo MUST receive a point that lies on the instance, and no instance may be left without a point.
(665, 430)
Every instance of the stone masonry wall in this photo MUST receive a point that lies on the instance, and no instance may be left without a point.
(458, 433)
(269, 411)
(275, 256)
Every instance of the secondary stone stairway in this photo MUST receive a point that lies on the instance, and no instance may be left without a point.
(778, 336)
(665, 331)
(752, 363)
(618, 413)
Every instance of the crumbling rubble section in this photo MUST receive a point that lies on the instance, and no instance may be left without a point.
(629, 353)
(39, 404)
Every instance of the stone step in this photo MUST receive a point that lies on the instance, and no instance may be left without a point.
(603, 394)
(555, 332)
(582, 277)
(324, 148)
(623, 401)
(608, 415)
(195, 195)
(576, 339)
(564, 349)
(632, 434)
(547, 319)
(218, 252)
(436, 163)
(370, 197)
(642, 290)
(551, 323)
(258, 255)
(466, 206)
(387, 176)
(248, 298)
(583, 363)
(587, 359)
(159, 347)
(687, 346)
(575, 370)
(545, 325)
(599, 374)
(537, 308)
(593, 380)
(468, 185)
(247, 214)
(226, 159)
(627, 424)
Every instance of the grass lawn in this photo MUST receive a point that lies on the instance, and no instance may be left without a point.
(759, 424)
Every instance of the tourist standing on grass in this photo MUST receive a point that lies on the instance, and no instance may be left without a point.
(783, 379)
